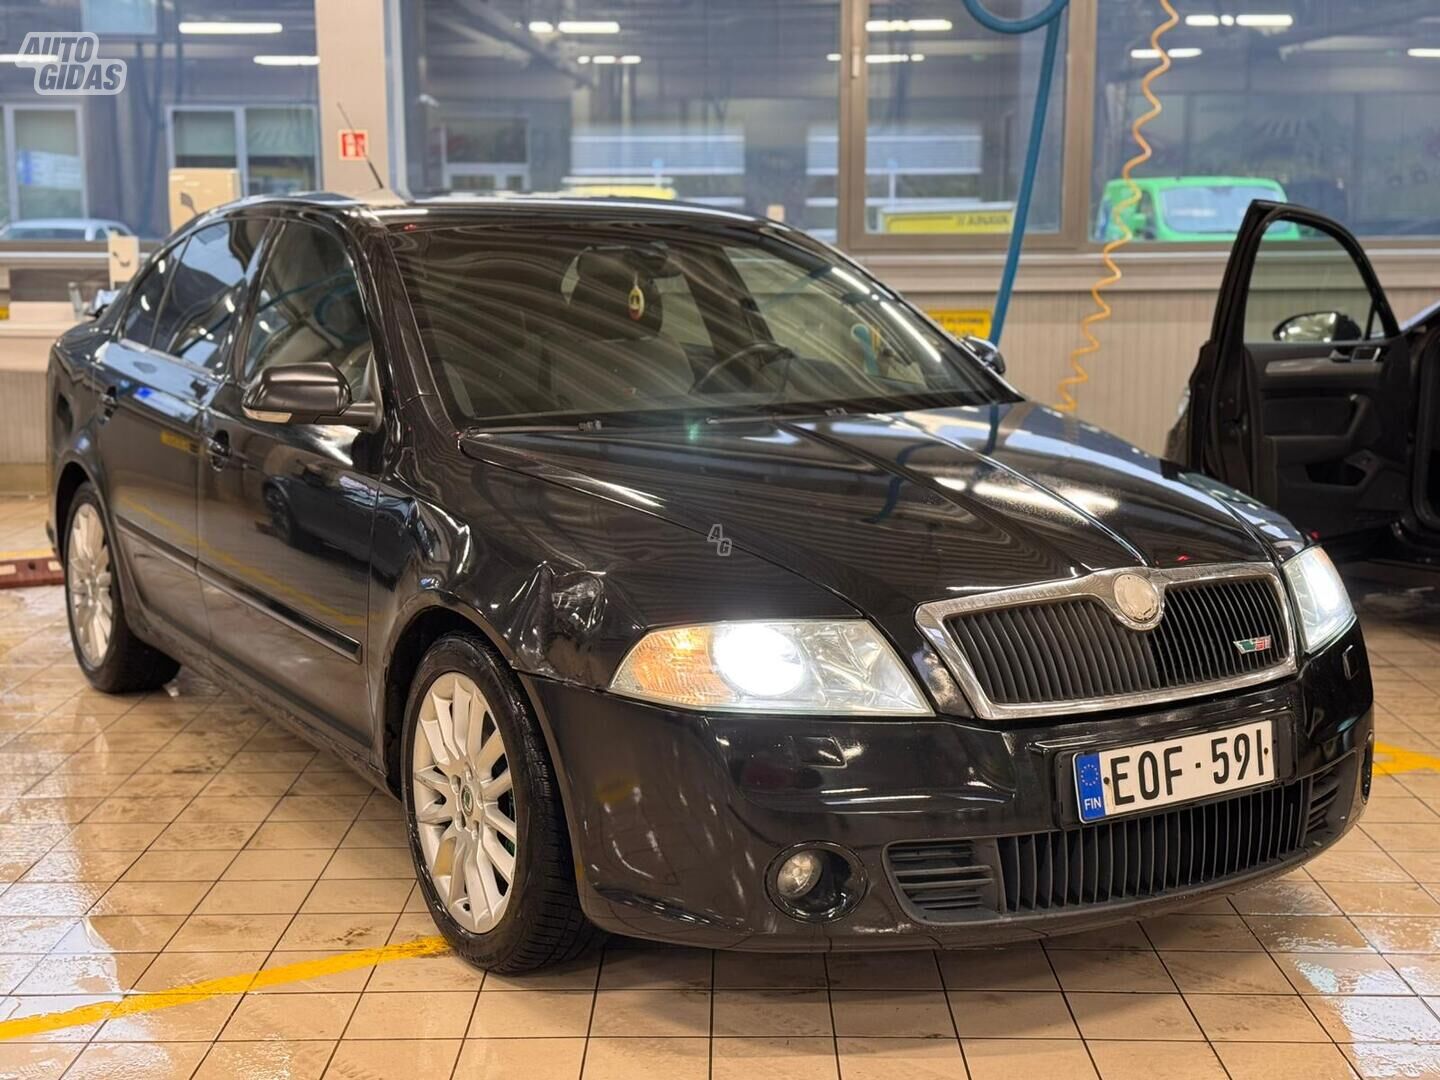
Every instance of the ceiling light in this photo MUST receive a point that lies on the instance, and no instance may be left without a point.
(1424, 54)
(541, 27)
(28, 58)
(904, 26)
(884, 58)
(231, 28)
(605, 59)
(1175, 54)
(596, 27)
(1266, 22)
(1202, 20)
(287, 61)
(630, 58)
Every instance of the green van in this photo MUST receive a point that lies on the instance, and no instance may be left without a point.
(1189, 209)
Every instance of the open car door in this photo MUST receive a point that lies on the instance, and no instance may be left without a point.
(1302, 395)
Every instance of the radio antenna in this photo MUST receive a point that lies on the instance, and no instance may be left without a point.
(370, 164)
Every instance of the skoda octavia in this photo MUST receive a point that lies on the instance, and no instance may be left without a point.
(685, 582)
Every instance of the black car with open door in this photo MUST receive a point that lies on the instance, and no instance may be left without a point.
(1311, 396)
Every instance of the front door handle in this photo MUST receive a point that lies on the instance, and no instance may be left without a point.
(109, 402)
(217, 449)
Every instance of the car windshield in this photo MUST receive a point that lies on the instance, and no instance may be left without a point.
(1210, 208)
(550, 325)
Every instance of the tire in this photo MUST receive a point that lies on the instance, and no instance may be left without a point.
(115, 661)
(466, 799)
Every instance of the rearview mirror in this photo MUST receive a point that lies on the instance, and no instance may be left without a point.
(1318, 328)
(987, 352)
(305, 394)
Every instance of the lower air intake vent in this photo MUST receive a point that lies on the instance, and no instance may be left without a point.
(941, 880)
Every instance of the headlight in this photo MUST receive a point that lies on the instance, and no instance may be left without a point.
(1321, 603)
(795, 667)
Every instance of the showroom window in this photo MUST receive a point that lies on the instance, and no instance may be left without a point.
(275, 148)
(949, 105)
(1334, 104)
(45, 161)
(723, 102)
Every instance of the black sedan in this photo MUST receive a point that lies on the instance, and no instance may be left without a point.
(685, 582)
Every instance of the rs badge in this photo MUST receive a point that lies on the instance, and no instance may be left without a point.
(1253, 644)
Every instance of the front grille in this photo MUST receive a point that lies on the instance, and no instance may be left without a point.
(1131, 858)
(1074, 649)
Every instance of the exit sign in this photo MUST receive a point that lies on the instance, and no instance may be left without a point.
(354, 144)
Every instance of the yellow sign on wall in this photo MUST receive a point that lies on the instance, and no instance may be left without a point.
(962, 322)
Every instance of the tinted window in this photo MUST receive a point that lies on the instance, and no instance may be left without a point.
(146, 296)
(591, 321)
(207, 289)
(309, 310)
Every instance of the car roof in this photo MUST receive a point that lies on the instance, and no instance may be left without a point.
(391, 210)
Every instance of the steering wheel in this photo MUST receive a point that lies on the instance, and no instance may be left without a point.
(751, 359)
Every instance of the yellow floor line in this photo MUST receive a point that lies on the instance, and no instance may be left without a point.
(27, 1026)
(1390, 760)
(29, 553)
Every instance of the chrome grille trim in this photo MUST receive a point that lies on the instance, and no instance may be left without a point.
(931, 619)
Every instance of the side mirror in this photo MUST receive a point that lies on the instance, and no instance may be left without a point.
(305, 394)
(102, 299)
(1318, 328)
(1138, 223)
(987, 352)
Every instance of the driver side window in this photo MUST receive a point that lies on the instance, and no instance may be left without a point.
(308, 310)
(1307, 289)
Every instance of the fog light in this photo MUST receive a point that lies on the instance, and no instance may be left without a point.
(1367, 768)
(799, 874)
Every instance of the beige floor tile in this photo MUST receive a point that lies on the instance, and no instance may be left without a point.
(285, 975)
(634, 967)
(37, 1061)
(70, 865)
(658, 1013)
(1125, 935)
(1152, 1060)
(1420, 972)
(566, 1013)
(197, 865)
(1285, 896)
(250, 784)
(883, 971)
(799, 1013)
(1006, 1059)
(230, 809)
(187, 835)
(121, 933)
(1007, 1014)
(582, 973)
(1341, 973)
(376, 896)
(1284, 1061)
(221, 933)
(444, 972)
(1255, 1018)
(269, 1059)
(1382, 898)
(626, 1059)
(532, 1059)
(254, 898)
(290, 1016)
(283, 835)
(34, 933)
(393, 1060)
(118, 809)
(1225, 973)
(14, 968)
(153, 1060)
(1363, 866)
(773, 1059)
(1359, 1018)
(1012, 967)
(102, 973)
(114, 836)
(438, 1014)
(370, 863)
(1307, 933)
(900, 1059)
(195, 1021)
(1400, 933)
(318, 808)
(150, 898)
(337, 932)
(1125, 971)
(1388, 1061)
(1203, 932)
(913, 1014)
(69, 898)
(288, 865)
(1161, 1017)
(176, 971)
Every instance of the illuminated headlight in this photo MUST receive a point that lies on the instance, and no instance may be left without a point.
(794, 667)
(1321, 602)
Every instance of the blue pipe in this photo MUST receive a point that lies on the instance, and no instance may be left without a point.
(1050, 19)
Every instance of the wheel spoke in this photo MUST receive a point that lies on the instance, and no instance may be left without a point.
(437, 812)
(496, 819)
(491, 751)
(460, 702)
(493, 788)
(435, 779)
(499, 857)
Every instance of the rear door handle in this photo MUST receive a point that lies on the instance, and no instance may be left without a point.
(217, 449)
(109, 402)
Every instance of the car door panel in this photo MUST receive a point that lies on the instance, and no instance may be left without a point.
(1312, 417)
(287, 510)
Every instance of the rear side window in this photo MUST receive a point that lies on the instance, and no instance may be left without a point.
(207, 289)
(308, 309)
(146, 298)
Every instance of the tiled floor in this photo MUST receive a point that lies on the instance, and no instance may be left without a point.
(148, 844)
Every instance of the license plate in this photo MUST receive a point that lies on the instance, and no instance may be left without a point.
(1111, 783)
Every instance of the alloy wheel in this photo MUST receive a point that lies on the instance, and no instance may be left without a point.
(89, 578)
(464, 802)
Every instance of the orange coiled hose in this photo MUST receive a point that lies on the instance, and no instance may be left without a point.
(1068, 402)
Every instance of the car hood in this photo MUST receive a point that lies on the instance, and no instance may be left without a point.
(896, 509)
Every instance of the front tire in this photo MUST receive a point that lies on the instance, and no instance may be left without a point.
(486, 827)
(111, 656)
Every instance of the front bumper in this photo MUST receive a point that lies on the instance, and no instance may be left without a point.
(675, 817)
